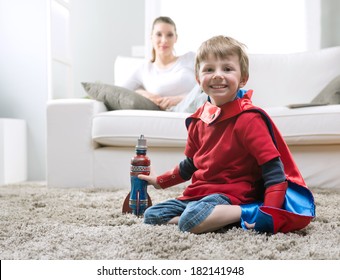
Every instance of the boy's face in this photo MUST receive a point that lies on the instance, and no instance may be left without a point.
(221, 78)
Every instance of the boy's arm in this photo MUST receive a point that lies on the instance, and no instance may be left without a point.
(179, 174)
(274, 182)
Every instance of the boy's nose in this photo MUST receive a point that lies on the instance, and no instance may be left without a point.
(217, 75)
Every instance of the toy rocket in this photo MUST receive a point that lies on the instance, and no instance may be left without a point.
(138, 199)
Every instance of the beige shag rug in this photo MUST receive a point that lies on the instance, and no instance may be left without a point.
(38, 222)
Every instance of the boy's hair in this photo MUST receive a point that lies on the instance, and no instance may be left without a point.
(221, 47)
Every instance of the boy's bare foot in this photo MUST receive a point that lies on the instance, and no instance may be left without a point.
(249, 226)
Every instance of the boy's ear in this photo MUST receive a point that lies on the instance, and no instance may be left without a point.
(198, 80)
(243, 81)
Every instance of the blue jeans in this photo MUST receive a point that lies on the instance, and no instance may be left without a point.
(191, 213)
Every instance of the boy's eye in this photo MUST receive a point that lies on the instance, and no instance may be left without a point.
(227, 69)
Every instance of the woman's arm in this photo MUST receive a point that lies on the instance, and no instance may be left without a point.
(164, 102)
(167, 102)
(155, 98)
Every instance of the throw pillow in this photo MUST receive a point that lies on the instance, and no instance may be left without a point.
(118, 98)
(330, 94)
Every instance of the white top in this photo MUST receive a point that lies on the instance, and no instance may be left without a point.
(178, 79)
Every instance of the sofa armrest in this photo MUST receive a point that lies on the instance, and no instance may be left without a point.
(69, 142)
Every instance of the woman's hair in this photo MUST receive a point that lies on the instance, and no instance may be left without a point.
(221, 47)
(161, 20)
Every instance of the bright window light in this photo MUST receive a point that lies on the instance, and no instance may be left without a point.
(265, 26)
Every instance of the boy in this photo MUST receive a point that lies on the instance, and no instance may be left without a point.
(241, 169)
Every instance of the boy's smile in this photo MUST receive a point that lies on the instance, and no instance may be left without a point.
(221, 78)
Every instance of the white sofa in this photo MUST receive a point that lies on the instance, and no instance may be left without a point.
(88, 146)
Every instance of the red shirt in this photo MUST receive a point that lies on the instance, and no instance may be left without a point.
(228, 149)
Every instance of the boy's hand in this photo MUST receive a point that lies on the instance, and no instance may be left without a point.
(151, 179)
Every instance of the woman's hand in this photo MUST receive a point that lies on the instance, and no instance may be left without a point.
(163, 102)
(167, 102)
(152, 97)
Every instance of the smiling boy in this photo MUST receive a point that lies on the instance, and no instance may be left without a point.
(239, 166)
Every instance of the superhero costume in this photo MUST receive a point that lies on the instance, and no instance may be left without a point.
(298, 205)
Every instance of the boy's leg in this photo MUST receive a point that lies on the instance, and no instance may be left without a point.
(209, 214)
(164, 212)
(220, 216)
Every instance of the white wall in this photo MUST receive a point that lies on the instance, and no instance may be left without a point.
(100, 31)
(23, 73)
(330, 22)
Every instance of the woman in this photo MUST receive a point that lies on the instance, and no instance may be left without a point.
(166, 79)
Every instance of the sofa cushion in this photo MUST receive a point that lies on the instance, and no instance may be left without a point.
(303, 126)
(307, 126)
(123, 128)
